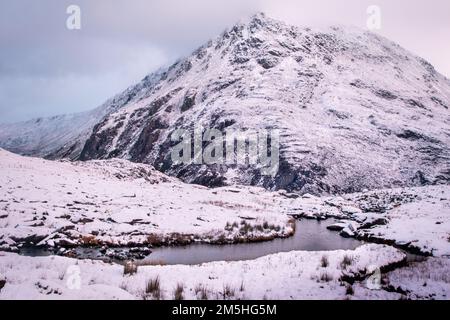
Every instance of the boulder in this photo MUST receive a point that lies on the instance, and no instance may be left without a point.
(337, 226)
(347, 233)
(350, 210)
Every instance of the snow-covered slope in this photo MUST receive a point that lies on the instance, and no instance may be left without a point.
(43, 136)
(354, 109)
(119, 203)
(416, 219)
(64, 136)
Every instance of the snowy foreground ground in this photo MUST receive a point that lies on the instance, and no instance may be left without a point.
(62, 205)
(280, 276)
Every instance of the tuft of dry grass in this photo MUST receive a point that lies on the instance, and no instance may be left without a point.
(346, 261)
(246, 227)
(292, 224)
(349, 290)
(90, 241)
(227, 292)
(259, 228)
(242, 287)
(153, 288)
(178, 292)
(231, 226)
(2, 283)
(324, 263)
(222, 238)
(130, 268)
(201, 290)
(228, 227)
(155, 239)
(326, 277)
(180, 239)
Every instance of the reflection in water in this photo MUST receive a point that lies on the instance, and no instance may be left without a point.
(311, 235)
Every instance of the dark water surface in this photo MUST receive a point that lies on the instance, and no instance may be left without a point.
(310, 235)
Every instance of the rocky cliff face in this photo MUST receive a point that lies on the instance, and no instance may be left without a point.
(355, 111)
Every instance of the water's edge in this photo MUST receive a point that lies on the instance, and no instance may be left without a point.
(310, 235)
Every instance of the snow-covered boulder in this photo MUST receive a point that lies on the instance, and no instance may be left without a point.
(347, 232)
(350, 210)
(337, 226)
(350, 229)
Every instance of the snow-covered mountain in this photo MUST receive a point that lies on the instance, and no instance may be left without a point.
(64, 136)
(44, 136)
(355, 110)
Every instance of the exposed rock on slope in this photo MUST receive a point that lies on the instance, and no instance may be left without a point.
(355, 110)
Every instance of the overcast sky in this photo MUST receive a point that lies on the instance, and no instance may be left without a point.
(46, 69)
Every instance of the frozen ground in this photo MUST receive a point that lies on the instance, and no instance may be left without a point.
(294, 275)
(426, 280)
(417, 219)
(118, 203)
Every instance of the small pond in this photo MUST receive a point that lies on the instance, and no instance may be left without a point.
(310, 235)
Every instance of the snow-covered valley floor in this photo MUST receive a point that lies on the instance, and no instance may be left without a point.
(114, 203)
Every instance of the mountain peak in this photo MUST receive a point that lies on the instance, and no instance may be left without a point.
(258, 22)
(260, 18)
(257, 17)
